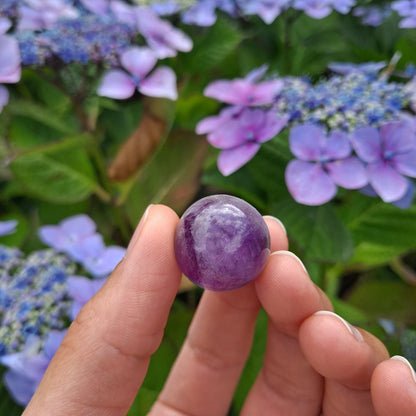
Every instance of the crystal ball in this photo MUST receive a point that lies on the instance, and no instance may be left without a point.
(221, 243)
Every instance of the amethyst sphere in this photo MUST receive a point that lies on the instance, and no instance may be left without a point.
(221, 243)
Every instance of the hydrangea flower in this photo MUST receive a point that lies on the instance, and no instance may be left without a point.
(98, 259)
(323, 163)
(37, 15)
(244, 91)
(317, 9)
(81, 290)
(26, 368)
(268, 10)
(242, 137)
(33, 296)
(120, 84)
(407, 10)
(161, 36)
(390, 155)
(68, 233)
(7, 227)
(203, 13)
(345, 68)
(372, 15)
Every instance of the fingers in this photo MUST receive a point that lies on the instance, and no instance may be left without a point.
(346, 357)
(103, 359)
(393, 388)
(287, 384)
(207, 370)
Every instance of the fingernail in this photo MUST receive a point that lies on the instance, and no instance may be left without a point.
(405, 361)
(290, 254)
(278, 221)
(138, 230)
(352, 330)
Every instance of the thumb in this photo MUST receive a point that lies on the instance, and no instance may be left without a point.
(103, 359)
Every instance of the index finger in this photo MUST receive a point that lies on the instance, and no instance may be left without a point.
(104, 357)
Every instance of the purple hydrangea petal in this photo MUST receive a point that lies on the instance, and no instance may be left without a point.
(105, 263)
(397, 137)
(231, 92)
(337, 146)
(366, 143)
(10, 70)
(53, 236)
(386, 181)
(201, 14)
(116, 84)
(368, 190)
(5, 25)
(138, 61)
(160, 83)
(4, 97)
(405, 163)
(32, 365)
(308, 183)
(96, 6)
(82, 289)
(231, 160)
(123, 12)
(272, 126)
(29, 19)
(306, 142)
(265, 92)
(52, 343)
(179, 40)
(20, 387)
(89, 247)
(346, 68)
(349, 173)
(256, 74)
(210, 124)
(8, 227)
(317, 9)
(229, 135)
(78, 226)
(407, 200)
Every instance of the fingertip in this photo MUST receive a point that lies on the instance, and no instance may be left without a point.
(393, 388)
(278, 235)
(339, 351)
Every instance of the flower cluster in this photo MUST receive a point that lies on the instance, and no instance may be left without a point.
(372, 15)
(407, 11)
(40, 294)
(350, 130)
(240, 129)
(203, 12)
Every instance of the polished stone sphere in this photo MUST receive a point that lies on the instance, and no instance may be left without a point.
(221, 243)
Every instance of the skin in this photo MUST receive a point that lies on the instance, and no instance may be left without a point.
(314, 364)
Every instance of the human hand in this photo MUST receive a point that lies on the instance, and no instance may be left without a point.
(314, 362)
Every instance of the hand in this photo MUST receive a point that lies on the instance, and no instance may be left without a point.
(314, 361)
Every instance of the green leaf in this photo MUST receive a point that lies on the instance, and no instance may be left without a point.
(318, 231)
(7, 405)
(143, 402)
(380, 231)
(212, 47)
(60, 173)
(391, 299)
(42, 114)
(171, 177)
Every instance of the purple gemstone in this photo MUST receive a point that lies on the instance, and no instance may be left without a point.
(221, 243)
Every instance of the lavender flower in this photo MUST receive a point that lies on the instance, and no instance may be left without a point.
(345, 68)
(138, 62)
(390, 155)
(10, 70)
(203, 13)
(407, 10)
(243, 91)
(268, 10)
(68, 233)
(7, 227)
(160, 35)
(81, 290)
(42, 14)
(98, 259)
(317, 9)
(26, 368)
(372, 15)
(323, 163)
(241, 138)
